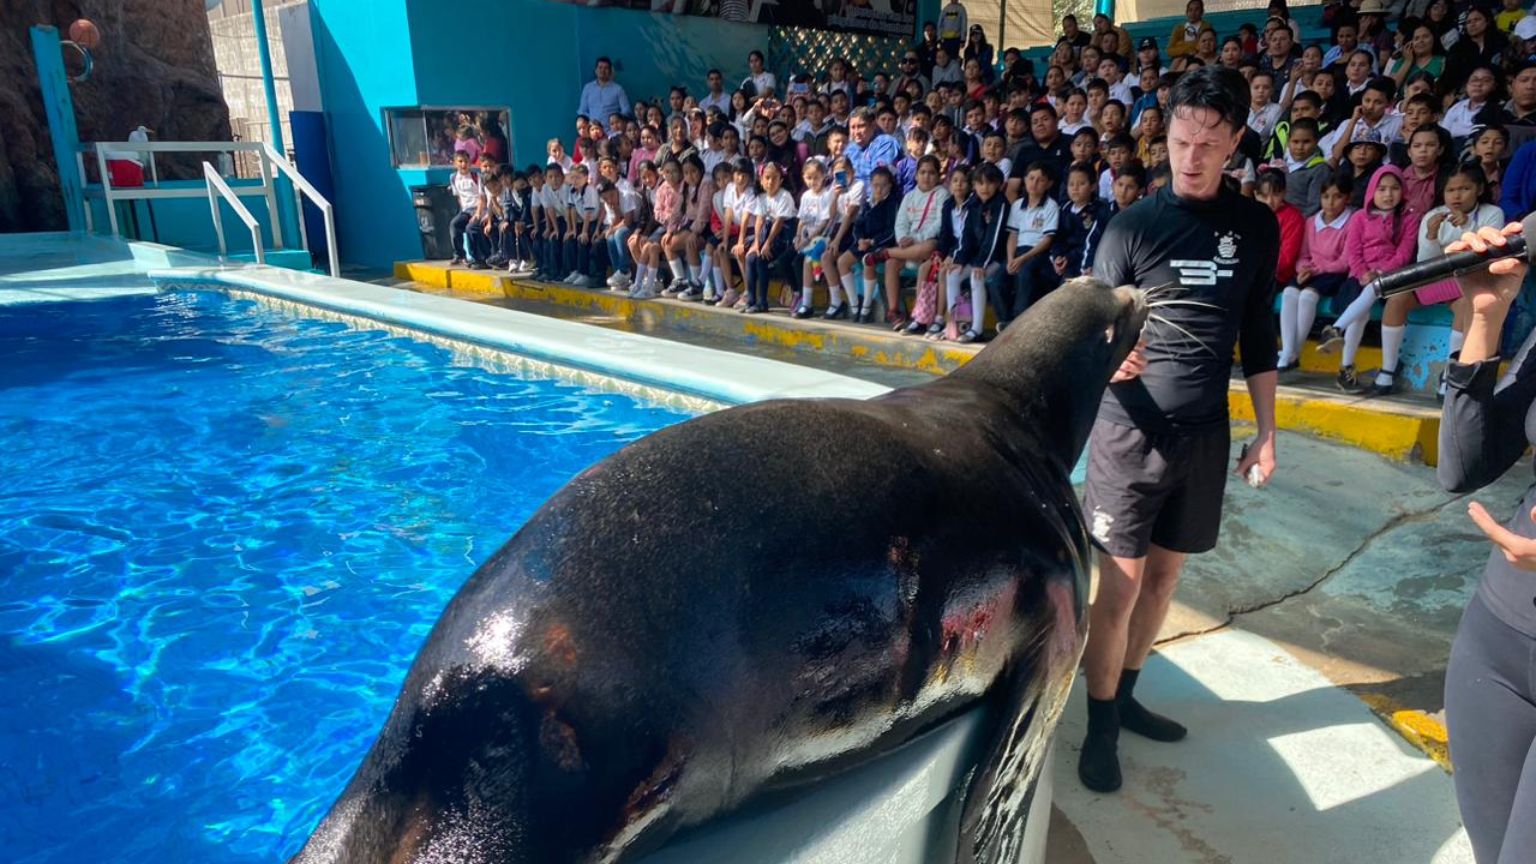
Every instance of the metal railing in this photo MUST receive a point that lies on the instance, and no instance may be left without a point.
(270, 164)
(215, 183)
(304, 189)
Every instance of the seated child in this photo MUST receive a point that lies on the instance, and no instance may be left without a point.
(1032, 225)
(1321, 271)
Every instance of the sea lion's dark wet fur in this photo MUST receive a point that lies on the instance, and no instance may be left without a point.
(754, 599)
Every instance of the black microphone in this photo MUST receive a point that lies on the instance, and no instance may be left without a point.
(1405, 279)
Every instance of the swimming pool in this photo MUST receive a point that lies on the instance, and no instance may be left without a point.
(224, 532)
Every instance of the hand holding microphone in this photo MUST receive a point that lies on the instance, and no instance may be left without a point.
(1475, 255)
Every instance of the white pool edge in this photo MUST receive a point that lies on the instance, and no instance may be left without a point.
(707, 372)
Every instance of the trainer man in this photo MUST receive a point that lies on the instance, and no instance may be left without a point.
(1157, 463)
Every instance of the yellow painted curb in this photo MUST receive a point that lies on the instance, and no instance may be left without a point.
(1391, 429)
(1367, 357)
(481, 282)
(1404, 434)
(433, 275)
(1422, 731)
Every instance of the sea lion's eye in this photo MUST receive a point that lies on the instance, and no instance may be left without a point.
(1109, 333)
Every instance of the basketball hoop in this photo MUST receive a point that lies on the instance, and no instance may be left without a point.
(85, 61)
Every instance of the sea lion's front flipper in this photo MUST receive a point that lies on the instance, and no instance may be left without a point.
(1025, 704)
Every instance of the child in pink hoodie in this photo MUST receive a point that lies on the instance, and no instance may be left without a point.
(1382, 237)
(1322, 271)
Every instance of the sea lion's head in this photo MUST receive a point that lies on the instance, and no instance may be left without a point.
(1055, 360)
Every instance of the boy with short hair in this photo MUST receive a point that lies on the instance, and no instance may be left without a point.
(466, 187)
(1128, 187)
(1306, 168)
(1117, 153)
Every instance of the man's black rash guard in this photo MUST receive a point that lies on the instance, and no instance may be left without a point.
(1220, 252)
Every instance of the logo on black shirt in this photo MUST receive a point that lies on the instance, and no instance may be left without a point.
(1226, 248)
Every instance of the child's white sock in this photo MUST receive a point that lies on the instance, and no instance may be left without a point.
(679, 272)
(868, 301)
(848, 288)
(1360, 310)
(1352, 338)
(640, 272)
(978, 301)
(693, 274)
(1391, 344)
(719, 283)
(1289, 300)
(1306, 314)
(952, 281)
(807, 293)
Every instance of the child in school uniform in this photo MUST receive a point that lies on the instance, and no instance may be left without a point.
(467, 188)
(516, 222)
(715, 240)
(1081, 225)
(917, 229)
(932, 311)
(816, 205)
(535, 176)
(1382, 237)
(740, 205)
(982, 248)
(694, 233)
(873, 232)
(555, 227)
(1321, 271)
(845, 213)
(1032, 224)
(772, 227)
(1270, 191)
(582, 211)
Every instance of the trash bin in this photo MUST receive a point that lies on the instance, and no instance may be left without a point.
(435, 209)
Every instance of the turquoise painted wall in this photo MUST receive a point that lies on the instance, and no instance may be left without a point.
(364, 57)
(532, 56)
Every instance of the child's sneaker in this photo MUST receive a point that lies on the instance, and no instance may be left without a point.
(457, 260)
(1328, 341)
(1348, 381)
(691, 292)
(616, 279)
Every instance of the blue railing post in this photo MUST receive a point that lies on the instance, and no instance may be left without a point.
(60, 106)
(1104, 7)
(288, 216)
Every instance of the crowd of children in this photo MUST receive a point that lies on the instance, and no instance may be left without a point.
(986, 186)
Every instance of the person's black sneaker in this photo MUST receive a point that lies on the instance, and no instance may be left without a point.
(1098, 766)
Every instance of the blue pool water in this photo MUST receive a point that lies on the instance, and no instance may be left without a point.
(224, 533)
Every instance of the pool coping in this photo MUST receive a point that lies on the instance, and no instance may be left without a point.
(669, 366)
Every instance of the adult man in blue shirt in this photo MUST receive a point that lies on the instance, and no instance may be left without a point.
(603, 97)
(869, 148)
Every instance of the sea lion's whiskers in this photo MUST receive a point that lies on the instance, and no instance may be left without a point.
(1158, 304)
(1154, 317)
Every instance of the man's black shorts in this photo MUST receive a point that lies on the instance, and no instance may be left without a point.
(1163, 488)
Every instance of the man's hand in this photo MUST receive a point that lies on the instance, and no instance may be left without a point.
(1134, 364)
(1260, 452)
(1519, 551)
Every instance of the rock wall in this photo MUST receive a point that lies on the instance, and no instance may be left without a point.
(154, 67)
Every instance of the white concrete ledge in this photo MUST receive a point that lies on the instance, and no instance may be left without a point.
(707, 372)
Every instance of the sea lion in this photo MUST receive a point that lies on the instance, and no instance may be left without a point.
(755, 599)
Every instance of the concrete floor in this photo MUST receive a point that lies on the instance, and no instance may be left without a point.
(1342, 581)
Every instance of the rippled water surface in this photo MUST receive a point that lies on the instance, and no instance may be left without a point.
(224, 533)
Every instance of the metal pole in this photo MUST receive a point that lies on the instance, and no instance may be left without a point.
(274, 117)
(59, 105)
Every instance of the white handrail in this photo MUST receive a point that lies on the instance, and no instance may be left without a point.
(215, 182)
(304, 186)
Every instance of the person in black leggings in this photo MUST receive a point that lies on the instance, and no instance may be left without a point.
(1490, 684)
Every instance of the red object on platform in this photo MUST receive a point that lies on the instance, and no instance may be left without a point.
(125, 172)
